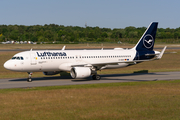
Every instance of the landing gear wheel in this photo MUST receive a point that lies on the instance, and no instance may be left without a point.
(96, 77)
(29, 80)
(29, 77)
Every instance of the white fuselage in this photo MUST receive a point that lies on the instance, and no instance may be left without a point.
(63, 60)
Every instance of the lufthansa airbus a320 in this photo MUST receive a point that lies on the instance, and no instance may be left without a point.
(85, 63)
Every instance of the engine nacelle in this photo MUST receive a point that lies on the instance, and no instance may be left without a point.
(51, 73)
(80, 72)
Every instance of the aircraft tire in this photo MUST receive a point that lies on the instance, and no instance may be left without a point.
(29, 80)
(96, 77)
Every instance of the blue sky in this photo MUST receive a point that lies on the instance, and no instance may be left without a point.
(102, 13)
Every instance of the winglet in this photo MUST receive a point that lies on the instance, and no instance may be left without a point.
(64, 47)
(161, 54)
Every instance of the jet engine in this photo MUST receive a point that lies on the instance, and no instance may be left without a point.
(80, 72)
(51, 73)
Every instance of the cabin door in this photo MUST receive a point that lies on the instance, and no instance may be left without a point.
(33, 58)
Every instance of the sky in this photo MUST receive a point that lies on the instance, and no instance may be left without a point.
(102, 13)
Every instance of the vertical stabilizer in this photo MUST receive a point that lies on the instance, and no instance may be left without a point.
(146, 42)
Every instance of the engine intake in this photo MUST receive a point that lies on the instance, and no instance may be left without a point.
(80, 72)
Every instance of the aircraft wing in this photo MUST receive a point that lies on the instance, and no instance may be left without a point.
(99, 65)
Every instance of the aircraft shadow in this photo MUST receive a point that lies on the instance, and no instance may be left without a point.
(130, 74)
(43, 78)
(130, 80)
(114, 76)
(103, 77)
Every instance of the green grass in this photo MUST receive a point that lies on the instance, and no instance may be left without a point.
(132, 100)
(88, 86)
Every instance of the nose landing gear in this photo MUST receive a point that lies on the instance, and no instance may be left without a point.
(29, 77)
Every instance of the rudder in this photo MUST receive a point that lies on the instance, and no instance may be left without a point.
(147, 40)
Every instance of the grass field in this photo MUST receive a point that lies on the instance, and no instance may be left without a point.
(155, 100)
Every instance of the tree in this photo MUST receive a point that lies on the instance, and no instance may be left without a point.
(176, 35)
(104, 35)
(117, 34)
(40, 39)
(133, 34)
(14, 35)
(55, 32)
(2, 37)
(91, 34)
(48, 35)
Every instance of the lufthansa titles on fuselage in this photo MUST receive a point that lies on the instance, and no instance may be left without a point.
(44, 54)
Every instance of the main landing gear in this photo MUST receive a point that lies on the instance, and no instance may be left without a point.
(96, 77)
(29, 79)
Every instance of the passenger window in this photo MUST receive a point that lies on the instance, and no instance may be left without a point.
(22, 58)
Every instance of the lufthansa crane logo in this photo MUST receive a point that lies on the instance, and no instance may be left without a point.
(148, 41)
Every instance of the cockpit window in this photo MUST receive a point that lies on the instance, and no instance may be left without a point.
(17, 58)
(13, 58)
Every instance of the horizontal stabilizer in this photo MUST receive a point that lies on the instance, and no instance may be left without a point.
(150, 54)
(161, 54)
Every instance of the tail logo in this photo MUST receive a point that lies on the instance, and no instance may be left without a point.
(148, 41)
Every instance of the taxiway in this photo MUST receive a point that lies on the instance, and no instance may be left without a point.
(56, 81)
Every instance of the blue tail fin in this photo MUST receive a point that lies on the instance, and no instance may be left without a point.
(146, 42)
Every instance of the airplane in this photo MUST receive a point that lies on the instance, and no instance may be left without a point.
(85, 63)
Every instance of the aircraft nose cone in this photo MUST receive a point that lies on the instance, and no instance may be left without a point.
(7, 65)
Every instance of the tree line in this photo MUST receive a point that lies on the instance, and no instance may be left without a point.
(75, 34)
